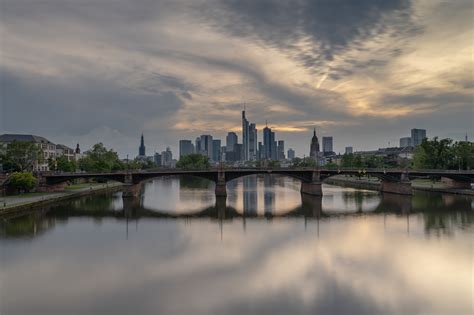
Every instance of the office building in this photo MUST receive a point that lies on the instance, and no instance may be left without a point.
(245, 136)
(197, 145)
(216, 150)
(281, 150)
(417, 136)
(405, 142)
(252, 142)
(291, 154)
(348, 150)
(157, 159)
(186, 147)
(206, 146)
(166, 158)
(231, 141)
(327, 145)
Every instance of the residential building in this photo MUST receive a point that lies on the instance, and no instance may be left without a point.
(62, 150)
(48, 148)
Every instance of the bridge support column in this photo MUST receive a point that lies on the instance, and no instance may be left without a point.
(311, 205)
(132, 190)
(401, 187)
(312, 187)
(221, 190)
(455, 184)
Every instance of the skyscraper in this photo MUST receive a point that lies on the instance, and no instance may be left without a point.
(281, 150)
(245, 137)
(314, 148)
(267, 143)
(252, 142)
(231, 141)
(417, 136)
(141, 149)
(186, 147)
(216, 150)
(206, 146)
(197, 145)
(348, 150)
(327, 145)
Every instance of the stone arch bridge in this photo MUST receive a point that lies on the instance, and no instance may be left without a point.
(392, 180)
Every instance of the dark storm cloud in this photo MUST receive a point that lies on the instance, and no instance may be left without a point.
(77, 105)
(326, 27)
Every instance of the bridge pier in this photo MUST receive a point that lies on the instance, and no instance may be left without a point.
(132, 190)
(312, 188)
(311, 205)
(401, 187)
(221, 190)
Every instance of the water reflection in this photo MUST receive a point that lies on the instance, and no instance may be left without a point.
(348, 252)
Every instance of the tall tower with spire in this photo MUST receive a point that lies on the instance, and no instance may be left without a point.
(141, 149)
(314, 148)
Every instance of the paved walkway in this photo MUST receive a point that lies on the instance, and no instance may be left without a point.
(10, 201)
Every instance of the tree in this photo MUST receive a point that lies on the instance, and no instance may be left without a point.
(22, 181)
(99, 159)
(306, 162)
(193, 161)
(464, 155)
(62, 164)
(419, 158)
(21, 156)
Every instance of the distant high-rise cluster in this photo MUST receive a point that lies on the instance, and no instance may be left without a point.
(417, 136)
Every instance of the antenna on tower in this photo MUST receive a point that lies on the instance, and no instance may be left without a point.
(266, 123)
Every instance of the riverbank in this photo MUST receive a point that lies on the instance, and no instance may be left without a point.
(10, 204)
(374, 184)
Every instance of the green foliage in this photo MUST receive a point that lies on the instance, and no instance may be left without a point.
(464, 155)
(273, 164)
(444, 154)
(62, 164)
(193, 161)
(306, 162)
(22, 181)
(21, 156)
(100, 159)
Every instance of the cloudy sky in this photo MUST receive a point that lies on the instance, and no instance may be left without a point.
(365, 71)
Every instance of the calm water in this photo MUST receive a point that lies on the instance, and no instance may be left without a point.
(179, 251)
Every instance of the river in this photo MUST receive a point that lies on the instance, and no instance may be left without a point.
(265, 250)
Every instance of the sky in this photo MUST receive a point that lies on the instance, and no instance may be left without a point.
(364, 72)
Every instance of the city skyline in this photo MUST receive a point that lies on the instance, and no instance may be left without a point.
(365, 77)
